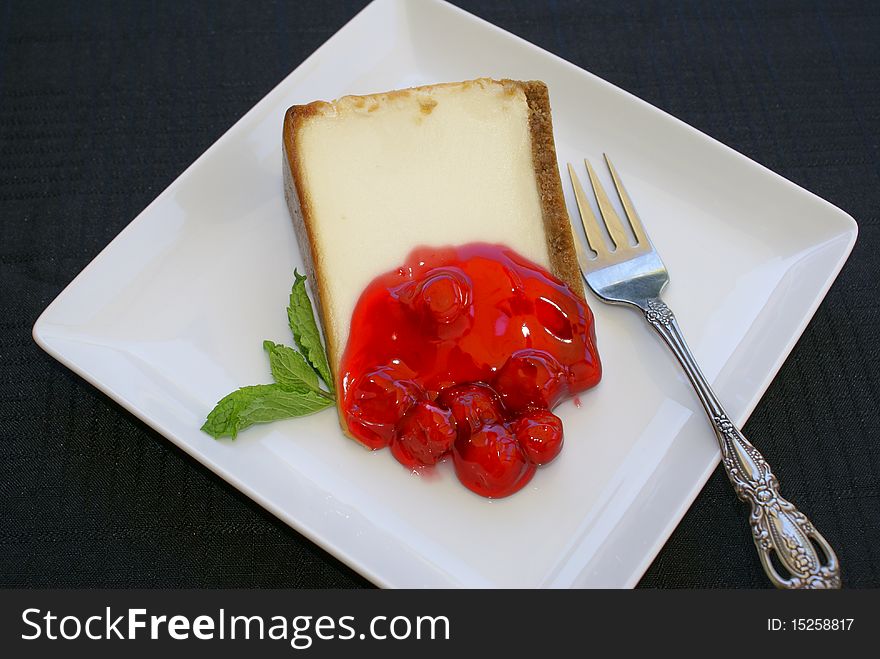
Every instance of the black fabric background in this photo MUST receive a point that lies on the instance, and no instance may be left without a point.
(103, 104)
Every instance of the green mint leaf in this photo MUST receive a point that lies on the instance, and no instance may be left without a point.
(296, 391)
(260, 404)
(305, 330)
(289, 368)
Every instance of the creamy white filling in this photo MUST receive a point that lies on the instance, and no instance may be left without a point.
(444, 165)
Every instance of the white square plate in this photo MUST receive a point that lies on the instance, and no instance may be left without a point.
(172, 314)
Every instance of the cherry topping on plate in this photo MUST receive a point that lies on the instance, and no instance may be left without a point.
(491, 462)
(471, 337)
(424, 435)
(531, 379)
(539, 433)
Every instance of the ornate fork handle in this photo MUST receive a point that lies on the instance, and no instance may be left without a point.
(777, 525)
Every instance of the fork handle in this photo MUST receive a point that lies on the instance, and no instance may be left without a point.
(777, 525)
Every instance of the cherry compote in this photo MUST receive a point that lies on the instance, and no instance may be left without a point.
(464, 351)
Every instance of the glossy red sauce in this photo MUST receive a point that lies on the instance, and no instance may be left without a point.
(464, 351)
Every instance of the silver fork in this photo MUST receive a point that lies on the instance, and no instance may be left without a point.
(633, 275)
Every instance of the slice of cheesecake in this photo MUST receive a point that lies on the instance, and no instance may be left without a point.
(369, 178)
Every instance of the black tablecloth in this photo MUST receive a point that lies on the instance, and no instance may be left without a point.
(102, 105)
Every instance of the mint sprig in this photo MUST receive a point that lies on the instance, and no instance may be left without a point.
(301, 318)
(289, 368)
(261, 403)
(296, 391)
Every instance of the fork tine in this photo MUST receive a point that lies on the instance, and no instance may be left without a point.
(588, 218)
(612, 220)
(634, 221)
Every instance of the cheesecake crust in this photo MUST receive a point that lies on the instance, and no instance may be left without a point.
(557, 226)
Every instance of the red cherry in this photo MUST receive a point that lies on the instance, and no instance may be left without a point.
(554, 319)
(444, 296)
(375, 402)
(539, 432)
(491, 463)
(472, 405)
(530, 379)
(445, 300)
(424, 435)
